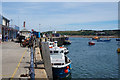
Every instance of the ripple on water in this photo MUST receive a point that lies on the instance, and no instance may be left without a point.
(99, 61)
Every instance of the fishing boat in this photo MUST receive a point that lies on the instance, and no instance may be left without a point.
(106, 40)
(61, 64)
(91, 43)
(118, 39)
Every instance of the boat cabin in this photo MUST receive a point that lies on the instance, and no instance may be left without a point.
(51, 44)
(57, 56)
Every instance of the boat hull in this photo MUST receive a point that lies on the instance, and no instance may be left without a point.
(91, 43)
(117, 39)
(95, 39)
(59, 73)
(67, 42)
(66, 52)
(103, 40)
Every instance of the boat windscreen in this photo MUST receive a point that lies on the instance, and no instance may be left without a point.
(61, 51)
(56, 51)
(50, 51)
(51, 43)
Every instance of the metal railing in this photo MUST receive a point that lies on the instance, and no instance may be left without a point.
(32, 72)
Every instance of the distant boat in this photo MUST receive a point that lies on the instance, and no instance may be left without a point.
(106, 40)
(95, 38)
(91, 43)
(118, 39)
(118, 50)
(67, 42)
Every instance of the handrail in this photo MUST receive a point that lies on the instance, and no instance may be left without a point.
(32, 72)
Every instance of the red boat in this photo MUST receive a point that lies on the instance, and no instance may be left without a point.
(91, 43)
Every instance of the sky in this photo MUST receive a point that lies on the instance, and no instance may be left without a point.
(61, 16)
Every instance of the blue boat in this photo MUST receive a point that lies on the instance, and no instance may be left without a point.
(107, 40)
(118, 39)
(61, 64)
(67, 41)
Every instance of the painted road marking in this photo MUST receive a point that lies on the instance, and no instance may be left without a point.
(18, 65)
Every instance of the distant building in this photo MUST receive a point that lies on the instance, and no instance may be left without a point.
(7, 32)
(54, 32)
(5, 27)
(100, 33)
(25, 32)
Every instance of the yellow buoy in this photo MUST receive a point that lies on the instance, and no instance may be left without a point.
(118, 50)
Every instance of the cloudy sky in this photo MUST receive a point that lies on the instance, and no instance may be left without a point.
(62, 15)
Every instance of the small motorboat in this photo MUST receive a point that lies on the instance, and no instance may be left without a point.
(106, 40)
(118, 50)
(118, 39)
(91, 43)
(67, 42)
(95, 38)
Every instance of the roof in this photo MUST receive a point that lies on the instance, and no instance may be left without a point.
(24, 30)
(5, 18)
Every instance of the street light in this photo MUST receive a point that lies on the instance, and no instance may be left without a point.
(39, 26)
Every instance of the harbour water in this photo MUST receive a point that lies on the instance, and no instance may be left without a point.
(98, 61)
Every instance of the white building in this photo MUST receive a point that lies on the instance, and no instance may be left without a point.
(25, 32)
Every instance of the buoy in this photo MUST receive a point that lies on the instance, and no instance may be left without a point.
(118, 50)
(67, 67)
(66, 70)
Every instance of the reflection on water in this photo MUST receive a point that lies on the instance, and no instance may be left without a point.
(98, 61)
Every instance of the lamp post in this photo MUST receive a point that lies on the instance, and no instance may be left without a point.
(39, 27)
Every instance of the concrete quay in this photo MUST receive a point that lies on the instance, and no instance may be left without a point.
(40, 72)
(15, 60)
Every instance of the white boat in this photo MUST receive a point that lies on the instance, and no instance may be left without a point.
(61, 64)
